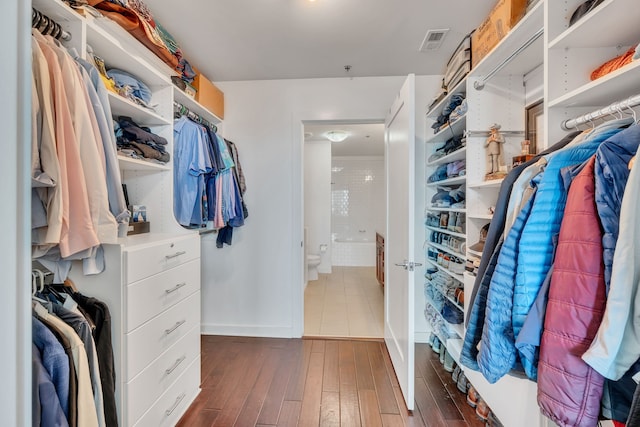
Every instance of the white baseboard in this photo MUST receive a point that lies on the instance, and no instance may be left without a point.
(247, 331)
(421, 337)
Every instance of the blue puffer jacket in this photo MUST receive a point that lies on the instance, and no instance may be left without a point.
(535, 248)
(612, 172)
(497, 355)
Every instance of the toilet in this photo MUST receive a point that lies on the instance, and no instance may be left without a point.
(313, 261)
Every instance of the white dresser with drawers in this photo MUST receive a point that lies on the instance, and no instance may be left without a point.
(152, 287)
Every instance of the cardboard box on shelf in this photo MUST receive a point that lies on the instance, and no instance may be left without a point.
(503, 17)
(209, 95)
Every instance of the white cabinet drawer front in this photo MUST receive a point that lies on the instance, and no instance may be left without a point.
(155, 294)
(154, 380)
(151, 339)
(147, 261)
(168, 409)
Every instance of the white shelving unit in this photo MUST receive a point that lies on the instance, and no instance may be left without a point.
(445, 231)
(460, 154)
(139, 281)
(495, 93)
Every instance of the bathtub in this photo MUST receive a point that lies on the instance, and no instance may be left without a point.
(353, 251)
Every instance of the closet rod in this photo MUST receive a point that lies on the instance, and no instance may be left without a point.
(472, 133)
(612, 109)
(479, 84)
(48, 26)
(185, 111)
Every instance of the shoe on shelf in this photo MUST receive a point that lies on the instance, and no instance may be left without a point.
(462, 384)
(472, 397)
(443, 352)
(436, 345)
(492, 420)
(456, 373)
(448, 362)
(482, 409)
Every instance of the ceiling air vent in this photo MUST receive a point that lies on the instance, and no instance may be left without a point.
(433, 40)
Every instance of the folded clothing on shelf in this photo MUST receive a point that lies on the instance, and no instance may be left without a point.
(448, 197)
(129, 86)
(139, 141)
(443, 118)
(614, 64)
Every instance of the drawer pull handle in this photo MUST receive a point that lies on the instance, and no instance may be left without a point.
(175, 404)
(174, 327)
(168, 371)
(176, 287)
(176, 255)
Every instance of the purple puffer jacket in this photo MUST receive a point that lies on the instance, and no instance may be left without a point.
(569, 390)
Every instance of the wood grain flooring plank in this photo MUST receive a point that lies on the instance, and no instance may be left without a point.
(312, 397)
(318, 346)
(330, 410)
(384, 389)
(201, 418)
(428, 407)
(459, 399)
(258, 393)
(295, 388)
(331, 379)
(227, 380)
(290, 413)
(369, 411)
(349, 406)
(347, 365)
(245, 381)
(363, 368)
(275, 396)
(391, 420)
(442, 397)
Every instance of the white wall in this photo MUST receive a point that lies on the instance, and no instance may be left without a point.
(253, 287)
(15, 227)
(317, 200)
(359, 210)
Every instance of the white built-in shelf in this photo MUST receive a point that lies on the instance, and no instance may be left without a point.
(129, 163)
(460, 154)
(528, 59)
(475, 253)
(437, 209)
(445, 231)
(454, 347)
(121, 50)
(437, 109)
(448, 250)
(121, 106)
(612, 87)
(456, 276)
(458, 327)
(57, 10)
(454, 129)
(492, 183)
(456, 180)
(195, 107)
(469, 278)
(588, 31)
(479, 216)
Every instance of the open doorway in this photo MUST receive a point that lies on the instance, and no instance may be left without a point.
(344, 211)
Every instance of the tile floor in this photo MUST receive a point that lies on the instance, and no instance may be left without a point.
(348, 303)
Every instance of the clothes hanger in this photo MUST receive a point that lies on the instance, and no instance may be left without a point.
(37, 285)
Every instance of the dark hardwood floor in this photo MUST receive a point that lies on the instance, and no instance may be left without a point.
(312, 382)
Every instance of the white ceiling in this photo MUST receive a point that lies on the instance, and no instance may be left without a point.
(284, 39)
(363, 139)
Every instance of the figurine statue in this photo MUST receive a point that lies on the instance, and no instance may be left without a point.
(493, 146)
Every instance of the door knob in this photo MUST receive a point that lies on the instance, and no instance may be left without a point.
(408, 265)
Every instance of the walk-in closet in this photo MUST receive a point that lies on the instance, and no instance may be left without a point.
(155, 221)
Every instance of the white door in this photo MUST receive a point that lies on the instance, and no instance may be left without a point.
(399, 242)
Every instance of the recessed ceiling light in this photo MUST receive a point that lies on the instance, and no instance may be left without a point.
(336, 135)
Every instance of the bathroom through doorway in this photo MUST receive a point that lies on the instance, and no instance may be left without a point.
(344, 210)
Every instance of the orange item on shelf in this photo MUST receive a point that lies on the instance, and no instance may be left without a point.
(613, 64)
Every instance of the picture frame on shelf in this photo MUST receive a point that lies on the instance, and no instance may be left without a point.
(534, 125)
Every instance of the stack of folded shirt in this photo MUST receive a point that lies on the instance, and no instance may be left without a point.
(130, 87)
(136, 141)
